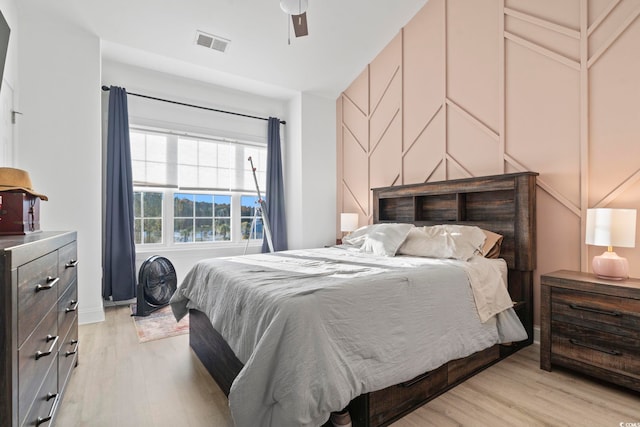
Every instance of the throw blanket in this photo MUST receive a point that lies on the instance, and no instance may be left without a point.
(316, 328)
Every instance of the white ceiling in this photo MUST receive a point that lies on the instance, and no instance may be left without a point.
(344, 36)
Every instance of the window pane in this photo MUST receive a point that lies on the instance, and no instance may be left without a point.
(223, 206)
(224, 178)
(188, 176)
(204, 230)
(156, 173)
(208, 154)
(245, 227)
(153, 205)
(204, 205)
(225, 155)
(258, 230)
(136, 141)
(137, 234)
(137, 197)
(208, 178)
(248, 205)
(152, 231)
(262, 180)
(223, 229)
(157, 148)
(187, 152)
(139, 171)
(183, 205)
(183, 230)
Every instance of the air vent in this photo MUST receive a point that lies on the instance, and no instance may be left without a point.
(211, 42)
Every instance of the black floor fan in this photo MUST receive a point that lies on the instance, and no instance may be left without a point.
(157, 282)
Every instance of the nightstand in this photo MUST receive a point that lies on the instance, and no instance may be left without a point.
(591, 325)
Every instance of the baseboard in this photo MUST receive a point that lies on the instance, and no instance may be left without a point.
(536, 335)
(94, 315)
(111, 303)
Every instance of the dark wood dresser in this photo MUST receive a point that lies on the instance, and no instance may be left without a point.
(38, 325)
(591, 325)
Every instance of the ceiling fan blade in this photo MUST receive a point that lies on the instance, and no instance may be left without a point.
(300, 24)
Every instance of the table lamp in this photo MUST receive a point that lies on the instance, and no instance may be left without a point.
(348, 222)
(611, 227)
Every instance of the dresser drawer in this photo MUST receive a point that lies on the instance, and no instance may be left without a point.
(67, 265)
(35, 357)
(607, 313)
(45, 402)
(67, 355)
(67, 309)
(37, 292)
(611, 352)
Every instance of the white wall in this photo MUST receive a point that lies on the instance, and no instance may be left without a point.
(8, 131)
(292, 162)
(59, 142)
(310, 161)
(319, 170)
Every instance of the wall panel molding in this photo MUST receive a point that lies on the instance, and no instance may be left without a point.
(495, 86)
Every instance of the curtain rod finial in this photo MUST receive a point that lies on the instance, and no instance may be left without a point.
(105, 88)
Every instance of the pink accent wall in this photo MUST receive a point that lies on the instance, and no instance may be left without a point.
(478, 87)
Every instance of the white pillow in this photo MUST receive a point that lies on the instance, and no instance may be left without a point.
(379, 239)
(444, 241)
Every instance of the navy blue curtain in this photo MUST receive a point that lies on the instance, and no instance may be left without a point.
(119, 254)
(275, 190)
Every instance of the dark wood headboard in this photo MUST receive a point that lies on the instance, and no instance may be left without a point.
(504, 204)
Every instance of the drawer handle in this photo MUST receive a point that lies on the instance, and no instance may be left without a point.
(56, 397)
(595, 347)
(40, 354)
(595, 310)
(74, 306)
(75, 349)
(51, 282)
(71, 264)
(415, 381)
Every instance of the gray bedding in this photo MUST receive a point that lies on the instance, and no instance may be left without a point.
(316, 328)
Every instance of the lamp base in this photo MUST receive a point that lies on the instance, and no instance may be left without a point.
(610, 266)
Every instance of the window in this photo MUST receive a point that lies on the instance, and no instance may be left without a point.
(201, 217)
(194, 190)
(147, 213)
(251, 221)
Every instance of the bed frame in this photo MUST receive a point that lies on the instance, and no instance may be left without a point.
(505, 204)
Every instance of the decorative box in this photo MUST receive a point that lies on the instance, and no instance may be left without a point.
(19, 213)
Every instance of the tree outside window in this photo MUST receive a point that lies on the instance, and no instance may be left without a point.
(147, 213)
(248, 207)
(201, 217)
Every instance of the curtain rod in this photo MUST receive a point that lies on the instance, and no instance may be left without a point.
(106, 89)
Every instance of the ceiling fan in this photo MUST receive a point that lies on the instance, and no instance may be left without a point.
(298, 11)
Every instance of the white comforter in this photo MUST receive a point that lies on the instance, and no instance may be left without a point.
(316, 328)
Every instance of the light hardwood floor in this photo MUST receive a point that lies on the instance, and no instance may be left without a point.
(120, 382)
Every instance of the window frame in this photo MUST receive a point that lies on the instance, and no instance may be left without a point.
(168, 192)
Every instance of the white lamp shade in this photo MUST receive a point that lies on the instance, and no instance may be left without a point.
(294, 7)
(611, 227)
(348, 222)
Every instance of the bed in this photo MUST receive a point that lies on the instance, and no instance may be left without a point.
(326, 302)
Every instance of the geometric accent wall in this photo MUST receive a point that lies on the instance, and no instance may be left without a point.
(481, 87)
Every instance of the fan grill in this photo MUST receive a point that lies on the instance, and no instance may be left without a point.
(157, 282)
